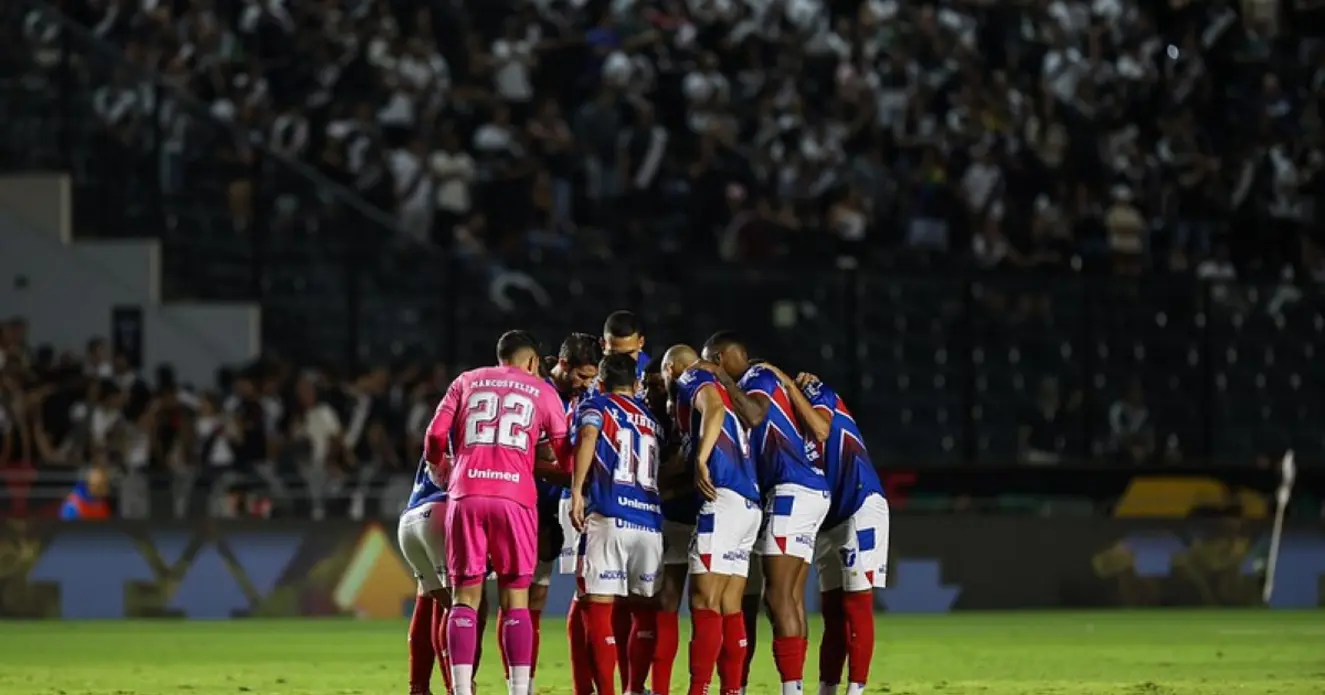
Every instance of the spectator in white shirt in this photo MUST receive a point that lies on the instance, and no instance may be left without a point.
(453, 170)
(415, 198)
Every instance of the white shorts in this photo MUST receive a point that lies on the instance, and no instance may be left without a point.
(676, 542)
(725, 534)
(618, 558)
(792, 517)
(567, 556)
(422, 538)
(854, 554)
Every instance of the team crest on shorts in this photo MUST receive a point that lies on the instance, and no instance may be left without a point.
(848, 557)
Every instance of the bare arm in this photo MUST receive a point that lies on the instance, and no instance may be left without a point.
(712, 412)
(752, 409)
(814, 419)
(584, 451)
(548, 466)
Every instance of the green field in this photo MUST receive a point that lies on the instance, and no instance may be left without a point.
(1127, 653)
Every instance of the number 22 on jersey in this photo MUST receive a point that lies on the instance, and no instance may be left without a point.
(636, 466)
(502, 420)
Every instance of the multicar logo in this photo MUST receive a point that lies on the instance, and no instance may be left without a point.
(610, 575)
(737, 556)
(505, 476)
(803, 539)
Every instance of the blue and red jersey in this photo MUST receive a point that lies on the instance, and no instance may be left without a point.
(548, 493)
(623, 482)
(850, 474)
(81, 504)
(780, 450)
(731, 465)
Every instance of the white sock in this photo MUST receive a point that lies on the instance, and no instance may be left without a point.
(855, 688)
(462, 678)
(827, 689)
(793, 687)
(519, 680)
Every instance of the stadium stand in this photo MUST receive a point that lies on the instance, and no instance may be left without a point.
(1032, 232)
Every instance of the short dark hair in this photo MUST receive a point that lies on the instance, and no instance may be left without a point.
(623, 324)
(512, 342)
(616, 371)
(580, 349)
(720, 340)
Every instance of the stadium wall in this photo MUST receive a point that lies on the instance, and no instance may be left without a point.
(220, 570)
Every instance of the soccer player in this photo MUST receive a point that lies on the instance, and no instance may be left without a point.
(623, 333)
(494, 418)
(851, 553)
(680, 508)
(572, 373)
(796, 496)
(728, 522)
(422, 536)
(615, 504)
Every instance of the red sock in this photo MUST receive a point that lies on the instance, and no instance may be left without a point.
(621, 622)
(421, 649)
(750, 617)
(581, 656)
(602, 642)
(664, 651)
(731, 662)
(537, 618)
(705, 646)
(859, 607)
(833, 644)
(789, 658)
(643, 640)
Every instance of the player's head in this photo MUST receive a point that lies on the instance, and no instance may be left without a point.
(577, 362)
(727, 350)
(616, 373)
(675, 361)
(518, 349)
(655, 391)
(623, 332)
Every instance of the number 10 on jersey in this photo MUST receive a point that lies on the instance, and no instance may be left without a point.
(636, 465)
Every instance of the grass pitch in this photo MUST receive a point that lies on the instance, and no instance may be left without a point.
(1115, 653)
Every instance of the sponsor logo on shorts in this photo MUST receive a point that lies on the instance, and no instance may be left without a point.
(648, 579)
(737, 556)
(507, 476)
(568, 551)
(802, 539)
(623, 524)
(612, 575)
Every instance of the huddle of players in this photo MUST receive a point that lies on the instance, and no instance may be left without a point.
(664, 486)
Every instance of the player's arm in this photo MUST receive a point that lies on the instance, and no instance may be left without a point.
(585, 446)
(815, 419)
(750, 407)
(548, 465)
(437, 441)
(552, 459)
(712, 412)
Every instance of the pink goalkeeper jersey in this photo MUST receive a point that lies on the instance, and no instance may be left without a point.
(491, 421)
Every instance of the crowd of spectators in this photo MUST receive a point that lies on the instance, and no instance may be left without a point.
(1180, 135)
(271, 436)
(1036, 136)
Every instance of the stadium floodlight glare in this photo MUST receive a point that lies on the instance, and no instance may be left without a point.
(1281, 497)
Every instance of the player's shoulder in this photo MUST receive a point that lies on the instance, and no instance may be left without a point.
(758, 376)
(693, 378)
